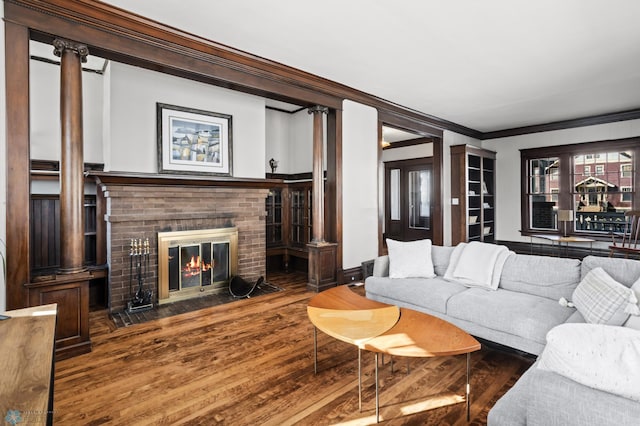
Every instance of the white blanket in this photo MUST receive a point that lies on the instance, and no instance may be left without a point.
(477, 264)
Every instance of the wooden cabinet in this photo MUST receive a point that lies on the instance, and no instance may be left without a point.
(473, 198)
(289, 223)
(300, 214)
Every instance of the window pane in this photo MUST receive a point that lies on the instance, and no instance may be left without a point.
(543, 192)
(395, 194)
(601, 199)
(420, 199)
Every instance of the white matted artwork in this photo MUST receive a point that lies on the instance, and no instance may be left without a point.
(192, 141)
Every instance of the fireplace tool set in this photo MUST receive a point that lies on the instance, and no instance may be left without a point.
(139, 266)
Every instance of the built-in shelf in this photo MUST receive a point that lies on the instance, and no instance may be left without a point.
(473, 194)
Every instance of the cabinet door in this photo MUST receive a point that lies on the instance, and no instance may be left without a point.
(301, 219)
(274, 217)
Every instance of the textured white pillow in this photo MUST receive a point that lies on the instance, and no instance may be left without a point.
(600, 356)
(410, 259)
(634, 320)
(601, 299)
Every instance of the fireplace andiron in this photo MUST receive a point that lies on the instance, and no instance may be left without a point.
(139, 266)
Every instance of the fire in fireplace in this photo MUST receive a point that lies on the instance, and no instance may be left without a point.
(194, 262)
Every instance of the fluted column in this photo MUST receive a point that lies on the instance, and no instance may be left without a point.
(318, 173)
(72, 158)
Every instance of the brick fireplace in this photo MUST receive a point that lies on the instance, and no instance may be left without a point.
(141, 207)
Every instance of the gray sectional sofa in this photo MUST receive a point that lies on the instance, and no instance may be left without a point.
(519, 314)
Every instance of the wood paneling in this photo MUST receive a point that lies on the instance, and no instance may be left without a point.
(18, 174)
(72, 297)
(251, 362)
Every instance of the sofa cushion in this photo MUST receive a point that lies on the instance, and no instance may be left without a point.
(410, 259)
(634, 320)
(601, 299)
(552, 399)
(440, 255)
(544, 276)
(520, 314)
(431, 293)
(625, 271)
(595, 355)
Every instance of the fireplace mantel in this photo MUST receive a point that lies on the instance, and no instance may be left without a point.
(131, 178)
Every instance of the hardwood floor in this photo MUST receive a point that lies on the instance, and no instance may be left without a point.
(250, 362)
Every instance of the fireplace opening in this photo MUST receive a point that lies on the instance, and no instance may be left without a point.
(194, 262)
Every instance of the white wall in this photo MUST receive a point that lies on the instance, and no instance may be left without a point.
(448, 140)
(277, 130)
(3, 168)
(133, 95)
(289, 139)
(301, 142)
(408, 152)
(44, 93)
(508, 166)
(360, 184)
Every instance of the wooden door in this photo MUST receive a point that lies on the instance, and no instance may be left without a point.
(409, 199)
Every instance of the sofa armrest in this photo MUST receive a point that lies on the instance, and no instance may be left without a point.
(381, 266)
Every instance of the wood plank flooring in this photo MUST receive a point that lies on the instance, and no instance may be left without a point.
(250, 362)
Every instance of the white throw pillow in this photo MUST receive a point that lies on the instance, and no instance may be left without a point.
(634, 320)
(600, 356)
(410, 259)
(601, 299)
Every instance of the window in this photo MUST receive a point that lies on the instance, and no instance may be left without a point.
(560, 177)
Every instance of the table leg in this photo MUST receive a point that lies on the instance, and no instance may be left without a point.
(468, 390)
(360, 379)
(377, 396)
(315, 350)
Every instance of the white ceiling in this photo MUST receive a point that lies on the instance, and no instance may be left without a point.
(488, 65)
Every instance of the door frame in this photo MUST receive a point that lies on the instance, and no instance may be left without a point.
(435, 135)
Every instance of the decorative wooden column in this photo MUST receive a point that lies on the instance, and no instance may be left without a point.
(69, 288)
(322, 254)
(72, 157)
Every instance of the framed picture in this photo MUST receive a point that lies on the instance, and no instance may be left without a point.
(192, 141)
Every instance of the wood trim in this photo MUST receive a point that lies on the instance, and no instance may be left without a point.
(333, 184)
(564, 124)
(415, 125)
(381, 193)
(126, 178)
(18, 173)
(437, 227)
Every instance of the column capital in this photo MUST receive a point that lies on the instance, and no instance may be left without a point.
(318, 108)
(60, 45)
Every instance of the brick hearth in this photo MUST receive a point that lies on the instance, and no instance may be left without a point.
(141, 211)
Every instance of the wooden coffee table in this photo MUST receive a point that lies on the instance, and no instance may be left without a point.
(386, 329)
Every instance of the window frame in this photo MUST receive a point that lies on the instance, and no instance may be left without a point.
(565, 154)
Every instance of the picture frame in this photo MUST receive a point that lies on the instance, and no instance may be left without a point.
(193, 141)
